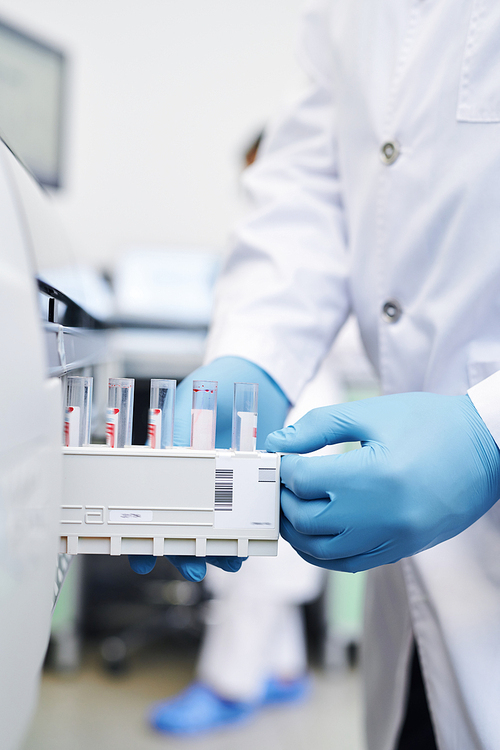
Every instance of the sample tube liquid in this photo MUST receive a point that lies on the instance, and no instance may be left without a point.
(245, 416)
(204, 414)
(77, 413)
(119, 413)
(161, 413)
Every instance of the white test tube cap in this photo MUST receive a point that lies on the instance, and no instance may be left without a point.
(204, 414)
(161, 413)
(244, 437)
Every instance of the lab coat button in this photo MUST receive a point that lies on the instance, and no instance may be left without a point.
(389, 152)
(392, 311)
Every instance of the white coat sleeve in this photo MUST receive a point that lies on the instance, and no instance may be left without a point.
(283, 294)
(486, 398)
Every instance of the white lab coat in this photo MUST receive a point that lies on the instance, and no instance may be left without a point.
(337, 228)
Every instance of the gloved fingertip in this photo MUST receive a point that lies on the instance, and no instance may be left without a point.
(234, 564)
(142, 564)
(288, 464)
(277, 439)
(194, 572)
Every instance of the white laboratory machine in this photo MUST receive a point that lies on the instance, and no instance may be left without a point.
(30, 437)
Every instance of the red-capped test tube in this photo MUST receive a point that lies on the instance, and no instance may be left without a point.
(77, 414)
(161, 413)
(204, 414)
(245, 416)
(119, 412)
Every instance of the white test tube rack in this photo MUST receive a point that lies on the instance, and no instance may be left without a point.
(178, 501)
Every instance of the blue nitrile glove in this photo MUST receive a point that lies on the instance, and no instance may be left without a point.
(427, 469)
(273, 406)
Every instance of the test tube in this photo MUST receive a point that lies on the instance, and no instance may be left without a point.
(119, 412)
(161, 413)
(245, 416)
(204, 414)
(77, 413)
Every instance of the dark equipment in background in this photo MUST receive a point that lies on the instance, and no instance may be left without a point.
(125, 612)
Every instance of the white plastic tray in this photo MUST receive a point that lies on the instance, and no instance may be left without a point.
(176, 501)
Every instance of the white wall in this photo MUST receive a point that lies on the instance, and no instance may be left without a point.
(164, 95)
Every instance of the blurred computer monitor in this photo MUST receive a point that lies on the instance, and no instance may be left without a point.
(32, 75)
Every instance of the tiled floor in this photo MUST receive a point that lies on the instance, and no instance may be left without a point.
(94, 711)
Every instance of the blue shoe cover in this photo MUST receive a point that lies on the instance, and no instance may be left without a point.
(286, 691)
(197, 709)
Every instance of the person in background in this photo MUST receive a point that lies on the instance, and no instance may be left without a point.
(253, 650)
(252, 151)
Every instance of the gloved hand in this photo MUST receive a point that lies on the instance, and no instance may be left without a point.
(427, 469)
(273, 406)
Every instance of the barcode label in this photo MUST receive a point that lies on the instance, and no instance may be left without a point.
(130, 515)
(267, 475)
(223, 489)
